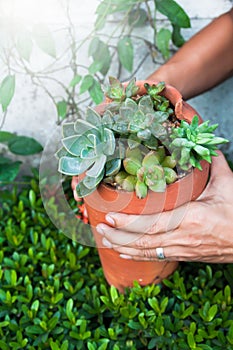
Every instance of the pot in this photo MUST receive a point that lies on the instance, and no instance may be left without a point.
(119, 272)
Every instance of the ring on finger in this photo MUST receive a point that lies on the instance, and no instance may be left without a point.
(160, 253)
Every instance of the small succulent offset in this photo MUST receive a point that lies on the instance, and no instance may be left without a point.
(136, 144)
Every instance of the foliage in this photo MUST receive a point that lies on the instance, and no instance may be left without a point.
(139, 136)
(54, 296)
(110, 43)
(194, 142)
(20, 146)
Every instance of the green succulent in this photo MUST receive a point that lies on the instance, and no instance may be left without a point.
(192, 143)
(135, 144)
(87, 147)
(143, 173)
(116, 91)
(160, 102)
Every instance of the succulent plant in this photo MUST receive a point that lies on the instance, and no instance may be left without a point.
(193, 142)
(87, 146)
(143, 173)
(134, 144)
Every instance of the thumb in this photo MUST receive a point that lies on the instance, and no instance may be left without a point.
(219, 167)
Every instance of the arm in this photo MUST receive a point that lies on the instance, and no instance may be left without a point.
(204, 61)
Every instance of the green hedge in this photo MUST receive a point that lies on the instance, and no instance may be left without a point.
(53, 294)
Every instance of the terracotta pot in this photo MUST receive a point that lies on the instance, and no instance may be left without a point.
(121, 272)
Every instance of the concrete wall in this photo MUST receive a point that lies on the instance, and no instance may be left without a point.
(32, 113)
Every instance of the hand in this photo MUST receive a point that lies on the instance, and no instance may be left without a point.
(198, 231)
(81, 205)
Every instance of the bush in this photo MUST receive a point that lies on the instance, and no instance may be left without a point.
(54, 296)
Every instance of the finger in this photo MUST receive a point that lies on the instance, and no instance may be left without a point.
(117, 237)
(154, 223)
(177, 253)
(188, 256)
(219, 166)
(219, 170)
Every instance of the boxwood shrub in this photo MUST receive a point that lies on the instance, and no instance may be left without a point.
(53, 294)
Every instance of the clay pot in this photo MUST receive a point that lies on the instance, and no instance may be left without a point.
(122, 272)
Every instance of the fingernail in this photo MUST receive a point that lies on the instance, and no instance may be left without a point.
(106, 243)
(100, 230)
(110, 220)
(124, 256)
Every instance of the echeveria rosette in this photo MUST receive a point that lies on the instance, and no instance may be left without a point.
(87, 148)
(194, 142)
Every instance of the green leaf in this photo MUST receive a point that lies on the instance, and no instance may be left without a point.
(23, 145)
(44, 39)
(62, 108)
(125, 52)
(114, 294)
(4, 160)
(6, 136)
(137, 18)
(76, 80)
(7, 90)
(107, 7)
(173, 12)
(95, 67)
(68, 130)
(74, 166)
(100, 52)
(201, 150)
(96, 92)
(97, 168)
(36, 329)
(83, 190)
(163, 38)
(212, 312)
(191, 341)
(86, 84)
(24, 44)
(8, 172)
(177, 38)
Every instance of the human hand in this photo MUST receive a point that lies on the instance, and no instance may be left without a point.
(198, 231)
(81, 205)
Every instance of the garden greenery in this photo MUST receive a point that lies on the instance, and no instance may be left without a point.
(53, 294)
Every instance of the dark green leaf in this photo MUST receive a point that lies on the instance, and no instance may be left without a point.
(23, 145)
(173, 12)
(177, 38)
(125, 52)
(9, 171)
(6, 136)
